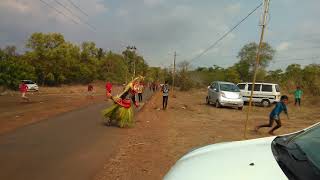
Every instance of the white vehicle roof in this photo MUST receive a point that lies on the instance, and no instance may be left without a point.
(223, 82)
(258, 83)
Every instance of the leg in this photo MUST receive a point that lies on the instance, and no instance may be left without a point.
(163, 101)
(166, 102)
(278, 121)
(295, 101)
(271, 120)
(299, 101)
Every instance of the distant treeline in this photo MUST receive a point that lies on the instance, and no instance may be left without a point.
(51, 60)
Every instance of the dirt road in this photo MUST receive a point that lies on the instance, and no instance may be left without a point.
(48, 102)
(162, 137)
(72, 145)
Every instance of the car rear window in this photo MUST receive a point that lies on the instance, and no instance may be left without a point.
(229, 88)
(267, 88)
(28, 82)
(241, 86)
(277, 88)
(256, 87)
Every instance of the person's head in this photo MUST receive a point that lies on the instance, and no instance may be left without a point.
(298, 87)
(284, 99)
(166, 82)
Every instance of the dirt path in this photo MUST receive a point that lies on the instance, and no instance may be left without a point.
(48, 102)
(162, 137)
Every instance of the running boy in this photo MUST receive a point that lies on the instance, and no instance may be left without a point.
(275, 114)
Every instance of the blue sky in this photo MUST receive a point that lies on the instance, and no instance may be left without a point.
(160, 27)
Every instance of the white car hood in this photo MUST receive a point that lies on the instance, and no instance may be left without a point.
(229, 161)
(231, 95)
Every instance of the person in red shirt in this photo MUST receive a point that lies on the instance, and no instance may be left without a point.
(90, 91)
(108, 88)
(23, 89)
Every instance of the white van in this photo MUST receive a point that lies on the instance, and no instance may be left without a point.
(264, 93)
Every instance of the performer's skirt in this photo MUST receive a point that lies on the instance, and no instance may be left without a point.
(123, 116)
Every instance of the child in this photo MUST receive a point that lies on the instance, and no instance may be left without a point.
(165, 95)
(297, 96)
(140, 91)
(275, 114)
(90, 91)
(23, 89)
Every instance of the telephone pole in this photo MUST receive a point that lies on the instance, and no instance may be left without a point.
(174, 71)
(263, 25)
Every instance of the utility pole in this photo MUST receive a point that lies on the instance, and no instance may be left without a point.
(263, 25)
(174, 71)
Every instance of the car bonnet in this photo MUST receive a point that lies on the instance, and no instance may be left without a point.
(247, 160)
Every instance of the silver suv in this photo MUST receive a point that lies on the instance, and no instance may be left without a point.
(224, 94)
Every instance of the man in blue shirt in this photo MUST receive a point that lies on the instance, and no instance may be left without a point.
(275, 114)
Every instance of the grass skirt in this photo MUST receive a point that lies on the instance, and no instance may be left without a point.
(123, 116)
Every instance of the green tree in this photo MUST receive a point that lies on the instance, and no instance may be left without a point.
(247, 56)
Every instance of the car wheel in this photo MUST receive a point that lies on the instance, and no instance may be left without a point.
(218, 105)
(207, 100)
(240, 108)
(265, 103)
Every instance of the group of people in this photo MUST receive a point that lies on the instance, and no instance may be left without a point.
(280, 107)
(121, 112)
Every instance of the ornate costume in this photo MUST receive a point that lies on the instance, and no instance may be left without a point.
(121, 112)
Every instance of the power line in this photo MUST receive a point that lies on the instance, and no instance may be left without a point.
(58, 11)
(226, 34)
(79, 18)
(77, 7)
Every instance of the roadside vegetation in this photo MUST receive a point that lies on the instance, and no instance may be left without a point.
(51, 60)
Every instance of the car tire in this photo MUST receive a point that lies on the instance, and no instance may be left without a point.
(265, 103)
(218, 105)
(207, 100)
(240, 108)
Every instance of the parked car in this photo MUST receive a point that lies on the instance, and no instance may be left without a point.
(263, 93)
(288, 157)
(32, 86)
(224, 94)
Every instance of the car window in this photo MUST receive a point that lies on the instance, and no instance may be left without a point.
(241, 86)
(28, 82)
(277, 88)
(309, 142)
(256, 87)
(229, 87)
(267, 88)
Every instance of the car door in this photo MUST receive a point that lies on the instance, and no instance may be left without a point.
(211, 92)
(215, 92)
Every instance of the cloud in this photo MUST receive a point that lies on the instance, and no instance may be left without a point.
(18, 6)
(153, 3)
(283, 46)
(233, 8)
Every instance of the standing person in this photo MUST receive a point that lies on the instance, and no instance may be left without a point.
(140, 91)
(23, 89)
(90, 91)
(275, 114)
(297, 96)
(108, 88)
(165, 95)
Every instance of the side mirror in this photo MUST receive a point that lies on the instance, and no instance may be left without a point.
(209, 87)
(215, 89)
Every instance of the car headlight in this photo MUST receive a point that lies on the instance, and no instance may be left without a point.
(240, 97)
(223, 95)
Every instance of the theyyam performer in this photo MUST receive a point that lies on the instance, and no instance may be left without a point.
(121, 112)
